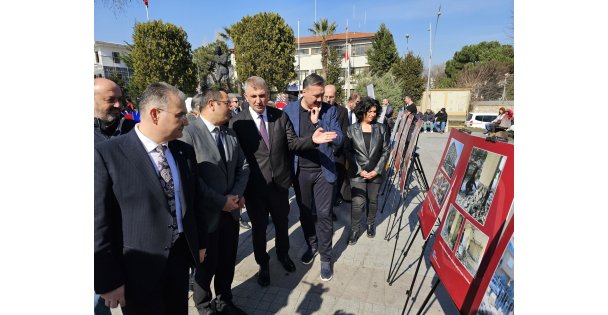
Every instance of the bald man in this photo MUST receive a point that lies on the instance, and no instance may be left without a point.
(109, 121)
(330, 98)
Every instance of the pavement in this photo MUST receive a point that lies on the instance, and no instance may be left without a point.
(359, 284)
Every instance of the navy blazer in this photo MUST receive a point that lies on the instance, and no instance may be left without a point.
(329, 122)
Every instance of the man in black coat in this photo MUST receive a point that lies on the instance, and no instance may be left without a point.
(147, 219)
(267, 138)
(109, 121)
(330, 98)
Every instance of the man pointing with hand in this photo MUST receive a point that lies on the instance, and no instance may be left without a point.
(315, 169)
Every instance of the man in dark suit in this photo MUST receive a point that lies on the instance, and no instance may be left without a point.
(267, 136)
(315, 169)
(386, 117)
(330, 98)
(147, 219)
(222, 168)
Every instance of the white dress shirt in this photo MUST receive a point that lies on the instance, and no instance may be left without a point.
(211, 128)
(256, 118)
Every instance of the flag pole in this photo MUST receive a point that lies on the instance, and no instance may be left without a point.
(347, 63)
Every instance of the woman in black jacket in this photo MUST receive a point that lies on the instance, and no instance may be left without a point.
(441, 118)
(367, 150)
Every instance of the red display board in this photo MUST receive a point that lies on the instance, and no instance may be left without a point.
(476, 212)
(495, 292)
(443, 183)
(408, 154)
(396, 137)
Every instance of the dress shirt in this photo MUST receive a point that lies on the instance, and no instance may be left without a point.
(150, 147)
(211, 128)
(256, 118)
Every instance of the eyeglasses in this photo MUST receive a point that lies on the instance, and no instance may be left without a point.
(226, 102)
(180, 115)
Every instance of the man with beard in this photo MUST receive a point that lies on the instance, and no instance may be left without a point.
(109, 122)
(330, 98)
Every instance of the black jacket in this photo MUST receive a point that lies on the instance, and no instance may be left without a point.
(360, 158)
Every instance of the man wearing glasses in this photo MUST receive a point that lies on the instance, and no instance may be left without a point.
(223, 171)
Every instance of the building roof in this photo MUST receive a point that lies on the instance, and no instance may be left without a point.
(336, 37)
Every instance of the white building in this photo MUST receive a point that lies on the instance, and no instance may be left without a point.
(308, 57)
(107, 60)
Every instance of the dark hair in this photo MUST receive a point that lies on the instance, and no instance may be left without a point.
(313, 79)
(364, 105)
(353, 97)
(199, 101)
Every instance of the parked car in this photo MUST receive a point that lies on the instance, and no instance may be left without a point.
(479, 120)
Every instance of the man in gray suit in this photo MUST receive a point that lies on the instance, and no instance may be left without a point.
(223, 170)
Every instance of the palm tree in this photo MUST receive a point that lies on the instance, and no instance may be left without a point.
(323, 29)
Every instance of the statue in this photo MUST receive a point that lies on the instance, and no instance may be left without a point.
(221, 66)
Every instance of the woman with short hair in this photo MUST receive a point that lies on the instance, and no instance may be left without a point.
(367, 150)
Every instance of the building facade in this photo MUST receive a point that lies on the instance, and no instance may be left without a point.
(308, 56)
(108, 61)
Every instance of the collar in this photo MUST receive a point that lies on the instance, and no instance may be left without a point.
(148, 143)
(208, 124)
(255, 115)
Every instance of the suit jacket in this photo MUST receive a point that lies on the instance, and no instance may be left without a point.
(388, 117)
(217, 180)
(344, 123)
(328, 121)
(360, 158)
(133, 223)
(275, 164)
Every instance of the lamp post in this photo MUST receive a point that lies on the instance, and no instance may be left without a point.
(428, 83)
(504, 88)
(407, 43)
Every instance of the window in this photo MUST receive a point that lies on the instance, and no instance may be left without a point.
(360, 49)
(315, 51)
(96, 56)
(115, 57)
(339, 50)
(303, 51)
(302, 75)
(359, 70)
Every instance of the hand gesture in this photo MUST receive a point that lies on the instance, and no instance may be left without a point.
(232, 202)
(323, 137)
(363, 174)
(202, 254)
(242, 202)
(371, 175)
(115, 297)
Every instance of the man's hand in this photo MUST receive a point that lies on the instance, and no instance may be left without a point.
(323, 137)
(371, 175)
(115, 297)
(232, 202)
(242, 202)
(314, 115)
(202, 254)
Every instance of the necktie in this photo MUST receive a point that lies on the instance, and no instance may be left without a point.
(220, 146)
(264, 132)
(166, 181)
(350, 117)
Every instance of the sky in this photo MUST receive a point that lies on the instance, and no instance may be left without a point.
(461, 23)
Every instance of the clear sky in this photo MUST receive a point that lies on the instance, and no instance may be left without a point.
(462, 22)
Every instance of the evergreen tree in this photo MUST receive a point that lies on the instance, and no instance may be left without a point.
(383, 52)
(323, 28)
(335, 73)
(161, 52)
(409, 72)
(264, 46)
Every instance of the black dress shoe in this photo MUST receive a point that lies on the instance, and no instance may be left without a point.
(354, 235)
(287, 263)
(244, 225)
(309, 256)
(371, 230)
(229, 308)
(264, 275)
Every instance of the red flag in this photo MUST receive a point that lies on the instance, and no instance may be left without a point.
(146, 3)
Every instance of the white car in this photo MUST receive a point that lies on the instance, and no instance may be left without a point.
(479, 120)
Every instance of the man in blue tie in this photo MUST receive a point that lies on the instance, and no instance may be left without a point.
(352, 102)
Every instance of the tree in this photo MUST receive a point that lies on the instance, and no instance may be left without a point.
(408, 70)
(383, 53)
(161, 52)
(323, 29)
(205, 65)
(264, 46)
(385, 86)
(479, 53)
(486, 80)
(335, 73)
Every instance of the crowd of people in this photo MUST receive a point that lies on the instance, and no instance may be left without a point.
(169, 190)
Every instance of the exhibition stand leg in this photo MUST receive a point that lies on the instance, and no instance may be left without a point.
(402, 256)
(428, 297)
(409, 292)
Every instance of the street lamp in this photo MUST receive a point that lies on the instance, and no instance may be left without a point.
(407, 43)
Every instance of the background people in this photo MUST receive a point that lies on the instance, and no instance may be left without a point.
(330, 98)
(441, 119)
(108, 122)
(315, 169)
(496, 121)
(428, 120)
(367, 148)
